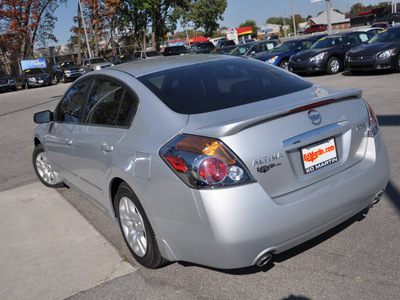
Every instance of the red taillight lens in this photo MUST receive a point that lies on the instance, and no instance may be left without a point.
(177, 163)
(212, 170)
(373, 122)
(203, 162)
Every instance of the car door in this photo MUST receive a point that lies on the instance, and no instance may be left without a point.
(107, 115)
(60, 136)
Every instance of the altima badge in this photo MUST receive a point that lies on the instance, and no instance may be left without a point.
(314, 117)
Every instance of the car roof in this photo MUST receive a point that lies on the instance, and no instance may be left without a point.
(141, 68)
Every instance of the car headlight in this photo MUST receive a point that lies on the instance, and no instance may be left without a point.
(272, 60)
(81, 70)
(31, 79)
(319, 56)
(387, 53)
(11, 81)
(97, 68)
(67, 72)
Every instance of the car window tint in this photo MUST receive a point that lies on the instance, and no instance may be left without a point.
(126, 110)
(208, 87)
(103, 103)
(70, 106)
(306, 44)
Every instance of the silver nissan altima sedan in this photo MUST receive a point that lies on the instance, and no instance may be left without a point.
(216, 160)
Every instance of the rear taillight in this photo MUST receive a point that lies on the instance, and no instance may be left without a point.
(204, 162)
(373, 122)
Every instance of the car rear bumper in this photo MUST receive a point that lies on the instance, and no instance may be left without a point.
(240, 224)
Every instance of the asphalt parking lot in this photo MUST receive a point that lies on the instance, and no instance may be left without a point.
(359, 259)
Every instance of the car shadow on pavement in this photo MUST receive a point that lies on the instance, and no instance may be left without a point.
(391, 120)
(367, 73)
(393, 193)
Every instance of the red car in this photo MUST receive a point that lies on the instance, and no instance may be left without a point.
(316, 28)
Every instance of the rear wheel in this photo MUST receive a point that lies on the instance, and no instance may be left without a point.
(43, 168)
(334, 65)
(136, 229)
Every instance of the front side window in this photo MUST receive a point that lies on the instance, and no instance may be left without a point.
(108, 104)
(70, 106)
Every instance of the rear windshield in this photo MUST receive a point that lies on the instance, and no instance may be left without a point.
(223, 84)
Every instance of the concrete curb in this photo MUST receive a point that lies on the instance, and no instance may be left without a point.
(48, 250)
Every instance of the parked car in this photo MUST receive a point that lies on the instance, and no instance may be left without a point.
(254, 48)
(280, 55)
(175, 50)
(221, 161)
(66, 70)
(316, 28)
(272, 37)
(121, 59)
(372, 30)
(7, 82)
(95, 63)
(147, 54)
(35, 77)
(382, 52)
(218, 39)
(384, 25)
(225, 43)
(327, 54)
(202, 47)
(224, 50)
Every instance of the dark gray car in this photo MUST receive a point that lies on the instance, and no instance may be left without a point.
(95, 63)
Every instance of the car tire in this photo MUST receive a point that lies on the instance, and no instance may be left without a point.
(136, 229)
(397, 66)
(43, 168)
(284, 64)
(334, 66)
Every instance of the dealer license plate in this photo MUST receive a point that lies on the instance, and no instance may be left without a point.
(319, 155)
(40, 81)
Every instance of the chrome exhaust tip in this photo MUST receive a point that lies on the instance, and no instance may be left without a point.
(377, 198)
(264, 259)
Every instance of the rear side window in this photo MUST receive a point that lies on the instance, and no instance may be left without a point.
(69, 108)
(223, 84)
(108, 104)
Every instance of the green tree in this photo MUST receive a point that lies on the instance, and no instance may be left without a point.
(253, 25)
(275, 20)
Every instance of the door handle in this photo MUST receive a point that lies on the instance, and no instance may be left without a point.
(107, 148)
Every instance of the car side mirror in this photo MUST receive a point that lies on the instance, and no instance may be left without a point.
(298, 49)
(43, 117)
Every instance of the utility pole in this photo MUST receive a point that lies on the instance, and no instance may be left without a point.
(294, 20)
(328, 16)
(84, 28)
(284, 24)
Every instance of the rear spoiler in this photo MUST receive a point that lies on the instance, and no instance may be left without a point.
(233, 126)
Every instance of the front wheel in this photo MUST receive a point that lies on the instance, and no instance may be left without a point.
(397, 67)
(284, 64)
(136, 229)
(43, 168)
(334, 66)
